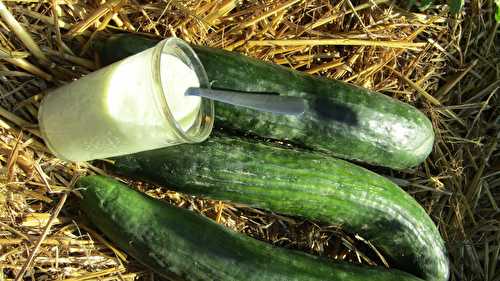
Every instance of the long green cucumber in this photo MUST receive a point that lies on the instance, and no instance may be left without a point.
(307, 184)
(183, 245)
(348, 121)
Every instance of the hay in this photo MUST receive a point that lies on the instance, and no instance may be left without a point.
(449, 67)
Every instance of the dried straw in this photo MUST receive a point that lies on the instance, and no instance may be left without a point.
(448, 66)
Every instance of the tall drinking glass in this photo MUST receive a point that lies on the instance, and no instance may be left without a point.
(133, 105)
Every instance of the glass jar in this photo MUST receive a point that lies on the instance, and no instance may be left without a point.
(126, 108)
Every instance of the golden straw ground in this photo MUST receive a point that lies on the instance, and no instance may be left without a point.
(448, 66)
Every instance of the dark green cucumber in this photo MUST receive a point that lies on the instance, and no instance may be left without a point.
(307, 184)
(178, 243)
(348, 121)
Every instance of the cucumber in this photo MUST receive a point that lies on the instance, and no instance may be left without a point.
(347, 121)
(181, 245)
(307, 184)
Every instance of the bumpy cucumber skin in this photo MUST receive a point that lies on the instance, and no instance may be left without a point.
(177, 242)
(310, 185)
(348, 121)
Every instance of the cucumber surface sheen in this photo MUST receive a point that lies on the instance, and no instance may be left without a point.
(348, 121)
(183, 245)
(301, 183)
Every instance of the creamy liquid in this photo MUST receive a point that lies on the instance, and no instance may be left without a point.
(114, 111)
(179, 77)
(176, 78)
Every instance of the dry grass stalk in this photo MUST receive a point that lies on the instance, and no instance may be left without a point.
(23, 35)
(332, 42)
(279, 8)
(45, 232)
(30, 68)
(94, 17)
(219, 11)
(59, 41)
(370, 43)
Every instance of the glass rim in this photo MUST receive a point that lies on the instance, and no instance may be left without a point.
(182, 50)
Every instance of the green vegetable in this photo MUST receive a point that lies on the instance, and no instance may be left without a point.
(180, 244)
(497, 14)
(456, 6)
(347, 121)
(300, 183)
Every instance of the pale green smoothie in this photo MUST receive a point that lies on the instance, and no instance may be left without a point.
(116, 110)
